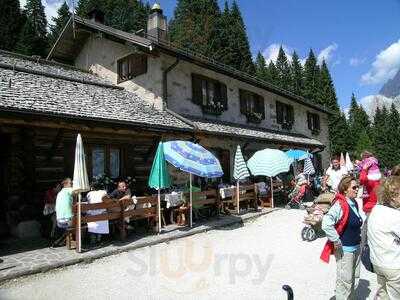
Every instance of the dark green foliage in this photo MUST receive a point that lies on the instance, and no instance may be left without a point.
(282, 66)
(364, 142)
(261, 67)
(63, 15)
(272, 72)
(327, 93)
(10, 23)
(296, 75)
(393, 137)
(195, 26)
(381, 136)
(33, 37)
(126, 15)
(358, 120)
(311, 79)
(340, 137)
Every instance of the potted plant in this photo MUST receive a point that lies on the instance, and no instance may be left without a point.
(213, 107)
(254, 117)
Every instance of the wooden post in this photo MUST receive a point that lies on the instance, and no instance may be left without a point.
(272, 194)
(78, 227)
(237, 197)
(191, 200)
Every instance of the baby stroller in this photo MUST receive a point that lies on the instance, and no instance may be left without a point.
(300, 193)
(315, 213)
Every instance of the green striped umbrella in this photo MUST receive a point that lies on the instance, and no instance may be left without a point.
(159, 177)
(240, 171)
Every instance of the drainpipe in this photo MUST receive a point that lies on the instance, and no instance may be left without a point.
(165, 96)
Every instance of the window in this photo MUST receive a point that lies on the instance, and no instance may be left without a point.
(131, 66)
(105, 160)
(284, 115)
(313, 122)
(210, 94)
(252, 105)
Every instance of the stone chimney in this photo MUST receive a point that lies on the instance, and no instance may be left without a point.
(96, 15)
(157, 24)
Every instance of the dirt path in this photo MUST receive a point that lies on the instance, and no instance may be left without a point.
(251, 262)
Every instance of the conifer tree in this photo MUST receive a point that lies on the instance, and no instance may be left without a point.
(10, 23)
(311, 79)
(261, 66)
(340, 139)
(393, 137)
(63, 15)
(327, 93)
(364, 142)
(272, 72)
(33, 37)
(358, 120)
(381, 136)
(296, 73)
(194, 26)
(282, 66)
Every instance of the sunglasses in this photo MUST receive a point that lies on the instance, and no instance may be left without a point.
(355, 188)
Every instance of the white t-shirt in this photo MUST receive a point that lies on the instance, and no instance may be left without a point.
(335, 176)
(384, 237)
(100, 227)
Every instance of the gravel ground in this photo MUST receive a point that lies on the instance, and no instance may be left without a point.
(250, 262)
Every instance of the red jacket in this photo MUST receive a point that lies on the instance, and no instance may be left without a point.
(371, 186)
(340, 226)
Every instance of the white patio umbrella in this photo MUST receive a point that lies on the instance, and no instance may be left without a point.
(80, 182)
(240, 171)
(349, 165)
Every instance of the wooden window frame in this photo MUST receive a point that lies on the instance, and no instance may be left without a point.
(220, 94)
(313, 122)
(107, 158)
(286, 120)
(137, 65)
(250, 110)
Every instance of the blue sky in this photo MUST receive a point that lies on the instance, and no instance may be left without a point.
(359, 39)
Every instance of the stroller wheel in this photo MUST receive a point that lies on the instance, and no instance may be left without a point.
(311, 234)
(304, 233)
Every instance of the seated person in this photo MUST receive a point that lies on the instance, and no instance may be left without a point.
(98, 228)
(121, 192)
(63, 210)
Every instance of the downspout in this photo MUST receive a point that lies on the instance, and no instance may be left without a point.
(165, 96)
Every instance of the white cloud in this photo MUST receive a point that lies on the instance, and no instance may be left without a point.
(271, 53)
(385, 66)
(355, 61)
(371, 102)
(327, 53)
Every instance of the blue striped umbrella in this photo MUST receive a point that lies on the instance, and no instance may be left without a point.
(298, 154)
(269, 162)
(308, 167)
(192, 158)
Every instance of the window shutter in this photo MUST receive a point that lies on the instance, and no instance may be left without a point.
(197, 95)
(279, 112)
(260, 107)
(309, 121)
(290, 114)
(317, 125)
(223, 95)
(243, 102)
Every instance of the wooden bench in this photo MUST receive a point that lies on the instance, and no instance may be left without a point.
(207, 200)
(112, 212)
(145, 208)
(247, 199)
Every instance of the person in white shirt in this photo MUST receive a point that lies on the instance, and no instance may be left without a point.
(98, 228)
(333, 175)
(384, 239)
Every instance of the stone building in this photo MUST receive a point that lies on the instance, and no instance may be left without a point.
(124, 93)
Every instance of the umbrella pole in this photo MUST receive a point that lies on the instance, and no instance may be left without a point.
(159, 210)
(237, 197)
(272, 194)
(79, 237)
(191, 200)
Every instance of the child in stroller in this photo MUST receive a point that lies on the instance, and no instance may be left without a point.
(300, 193)
(314, 216)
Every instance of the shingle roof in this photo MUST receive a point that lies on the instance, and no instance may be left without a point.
(234, 130)
(41, 93)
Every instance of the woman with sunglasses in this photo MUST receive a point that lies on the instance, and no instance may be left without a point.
(342, 225)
